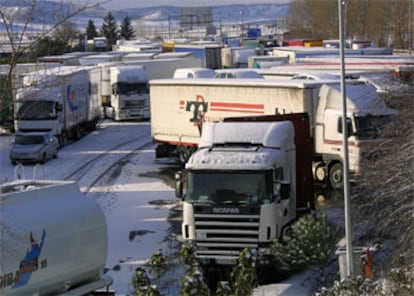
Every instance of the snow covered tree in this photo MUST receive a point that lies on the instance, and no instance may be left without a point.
(312, 241)
(127, 32)
(193, 283)
(91, 30)
(157, 265)
(141, 284)
(243, 276)
(109, 29)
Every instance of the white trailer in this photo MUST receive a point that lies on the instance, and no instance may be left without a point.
(165, 68)
(179, 108)
(236, 57)
(63, 100)
(53, 240)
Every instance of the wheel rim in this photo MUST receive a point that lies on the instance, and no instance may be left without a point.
(336, 176)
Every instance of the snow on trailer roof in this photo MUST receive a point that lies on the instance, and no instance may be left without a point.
(244, 82)
(365, 100)
(50, 75)
(132, 56)
(169, 55)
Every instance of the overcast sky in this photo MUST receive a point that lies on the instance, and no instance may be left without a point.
(119, 4)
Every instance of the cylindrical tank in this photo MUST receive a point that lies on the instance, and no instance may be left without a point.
(52, 238)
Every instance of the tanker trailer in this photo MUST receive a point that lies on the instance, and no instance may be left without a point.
(53, 239)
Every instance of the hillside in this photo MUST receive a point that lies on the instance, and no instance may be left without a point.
(383, 201)
(48, 12)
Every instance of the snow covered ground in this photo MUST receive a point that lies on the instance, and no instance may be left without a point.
(135, 198)
(116, 165)
(136, 206)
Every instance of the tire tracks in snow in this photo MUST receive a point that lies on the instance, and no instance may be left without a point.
(106, 161)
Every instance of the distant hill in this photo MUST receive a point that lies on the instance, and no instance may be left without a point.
(48, 12)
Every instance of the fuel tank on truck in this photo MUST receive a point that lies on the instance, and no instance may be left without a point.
(53, 239)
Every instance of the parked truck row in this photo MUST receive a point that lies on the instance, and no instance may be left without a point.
(68, 101)
(179, 110)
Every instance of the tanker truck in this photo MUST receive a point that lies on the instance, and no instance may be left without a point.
(53, 240)
(245, 184)
(180, 107)
(64, 101)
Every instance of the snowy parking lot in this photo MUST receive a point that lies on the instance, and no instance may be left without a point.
(116, 166)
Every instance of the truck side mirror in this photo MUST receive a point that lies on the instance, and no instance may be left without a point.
(284, 190)
(178, 184)
(348, 126)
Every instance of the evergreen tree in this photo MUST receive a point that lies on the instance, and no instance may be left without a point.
(109, 29)
(91, 30)
(193, 283)
(312, 241)
(127, 32)
(243, 275)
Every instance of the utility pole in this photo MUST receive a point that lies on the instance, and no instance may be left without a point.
(347, 199)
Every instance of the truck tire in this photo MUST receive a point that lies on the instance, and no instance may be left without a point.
(184, 153)
(336, 176)
(43, 159)
(77, 133)
(63, 139)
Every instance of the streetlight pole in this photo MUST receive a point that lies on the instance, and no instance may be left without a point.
(347, 202)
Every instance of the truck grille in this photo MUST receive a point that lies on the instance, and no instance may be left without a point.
(225, 235)
(134, 104)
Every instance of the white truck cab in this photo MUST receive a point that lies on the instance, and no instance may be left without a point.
(242, 189)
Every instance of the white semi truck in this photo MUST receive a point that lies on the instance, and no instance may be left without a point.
(64, 101)
(129, 93)
(180, 107)
(125, 90)
(53, 240)
(245, 184)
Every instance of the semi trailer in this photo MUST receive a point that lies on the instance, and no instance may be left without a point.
(63, 100)
(179, 109)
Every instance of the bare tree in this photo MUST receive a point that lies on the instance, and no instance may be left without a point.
(386, 22)
(20, 43)
(66, 32)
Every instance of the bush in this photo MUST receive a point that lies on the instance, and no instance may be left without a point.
(312, 241)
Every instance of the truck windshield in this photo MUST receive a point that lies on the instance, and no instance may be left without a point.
(33, 110)
(368, 126)
(248, 187)
(28, 140)
(123, 88)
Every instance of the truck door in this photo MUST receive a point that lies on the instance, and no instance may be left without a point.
(282, 193)
(332, 136)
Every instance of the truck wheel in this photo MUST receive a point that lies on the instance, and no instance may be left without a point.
(184, 153)
(336, 176)
(78, 134)
(43, 160)
(63, 139)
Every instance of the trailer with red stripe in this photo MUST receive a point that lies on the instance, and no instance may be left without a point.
(180, 106)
